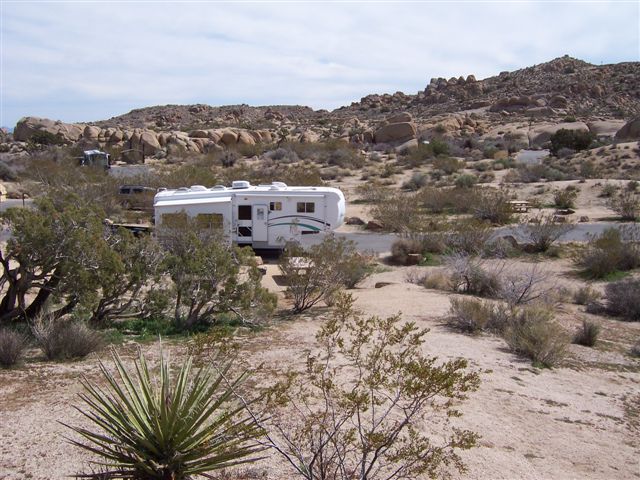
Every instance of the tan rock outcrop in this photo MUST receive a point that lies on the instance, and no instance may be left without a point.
(630, 130)
(395, 132)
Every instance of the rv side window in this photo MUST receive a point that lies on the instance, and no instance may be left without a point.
(275, 206)
(244, 212)
(306, 207)
(174, 220)
(209, 220)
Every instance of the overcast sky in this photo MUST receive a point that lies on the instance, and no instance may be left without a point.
(84, 61)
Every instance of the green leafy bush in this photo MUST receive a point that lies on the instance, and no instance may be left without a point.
(147, 427)
(574, 139)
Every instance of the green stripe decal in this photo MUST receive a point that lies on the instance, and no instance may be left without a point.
(316, 229)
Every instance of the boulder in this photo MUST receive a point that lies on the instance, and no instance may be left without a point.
(395, 132)
(400, 118)
(229, 137)
(374, 226)
(354, 221)
(605, 128)
(630, 130)
(91, 132)
(244, 138)
(199, 134)
(309, 137)
(28, 126)
(540, 135)
(558, 101)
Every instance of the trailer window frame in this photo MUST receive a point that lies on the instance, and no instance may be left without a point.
(306, 207)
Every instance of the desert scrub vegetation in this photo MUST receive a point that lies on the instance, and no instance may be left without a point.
(615, 249)
(61, 339)
(565, 198)
(574, 140)
(163, 426)
(626, 205)
(587, 334)
(623, 299)
(542, 231)
(529, 330)
(340, 418)
(317, 273)
(12, 346)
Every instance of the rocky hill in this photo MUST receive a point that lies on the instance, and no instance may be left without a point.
(566, 84)
(530, 104)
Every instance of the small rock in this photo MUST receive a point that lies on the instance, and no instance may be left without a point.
(354, 221)
(374, 226)
(584, 219)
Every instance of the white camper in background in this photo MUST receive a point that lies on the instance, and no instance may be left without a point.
(262, 216)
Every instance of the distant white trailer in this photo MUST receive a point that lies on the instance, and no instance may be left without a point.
(262, 216)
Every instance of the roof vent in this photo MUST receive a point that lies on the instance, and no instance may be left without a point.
(198, 188)
(239, 184)
(218, 187)
(279, 184)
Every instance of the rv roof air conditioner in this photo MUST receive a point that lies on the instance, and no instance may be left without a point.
(198, 188)
(240, 184)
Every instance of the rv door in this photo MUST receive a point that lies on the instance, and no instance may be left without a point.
(260, 227)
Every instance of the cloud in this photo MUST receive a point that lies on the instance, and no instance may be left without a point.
(87, 61)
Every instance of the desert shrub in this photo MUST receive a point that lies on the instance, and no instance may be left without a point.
(469, 315)
(623, 299)
(615, 249)
(400, 213)
(448, 165)
(470, 237)
(564, 198)
(402, 248)
(608, 190)
(522, 287)
(587, 334)
(373, 192)
(323, 418)
(7, 173)
(574, 139)
(586, 295)
(532, 333)
(43, 137)
(436, 280)
(416, 182)
(12, 346)
(493, 206)
(543, 231)
(469, 276)
(632, 185)
(466, 180)
(635, 349)
(317, 273)
(283, 154)
(159, 426)
(627, 205)
(451, 200)
(65, 339)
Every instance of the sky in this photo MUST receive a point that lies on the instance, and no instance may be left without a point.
(82, 61)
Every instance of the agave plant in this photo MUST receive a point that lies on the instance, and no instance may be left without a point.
(155, 428)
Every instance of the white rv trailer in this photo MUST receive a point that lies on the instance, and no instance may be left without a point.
(262, 216)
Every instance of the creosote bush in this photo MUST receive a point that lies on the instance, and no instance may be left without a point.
(355, 410)
(542, 231)
(627, 205)
(586, 295)
(587, 334)
(317, 273)
(564, 199)
(12, 346)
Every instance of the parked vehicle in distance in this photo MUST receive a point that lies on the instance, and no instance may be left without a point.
(95, 158)
(136, 197)
(262, 216)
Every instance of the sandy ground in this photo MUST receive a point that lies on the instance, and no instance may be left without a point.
(565, 423)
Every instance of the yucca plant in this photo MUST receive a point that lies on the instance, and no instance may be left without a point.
(156, 428)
